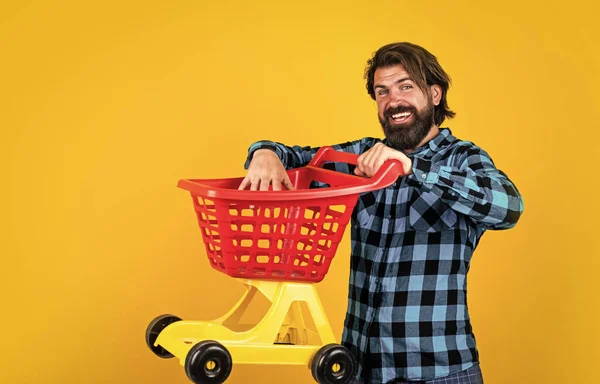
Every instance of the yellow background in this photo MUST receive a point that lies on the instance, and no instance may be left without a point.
(105, 106)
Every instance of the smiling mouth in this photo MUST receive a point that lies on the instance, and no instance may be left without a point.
(400, 117)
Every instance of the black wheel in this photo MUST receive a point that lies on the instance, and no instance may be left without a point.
(333, 364)
(208, 362)
(154, 328)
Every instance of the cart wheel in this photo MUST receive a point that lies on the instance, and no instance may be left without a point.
(333, 364)
(208, 362)
(153, 330)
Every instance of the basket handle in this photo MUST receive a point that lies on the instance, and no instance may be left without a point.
(326, 154)
(386, 175)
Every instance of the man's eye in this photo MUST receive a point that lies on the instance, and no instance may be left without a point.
(382, 92)
(406, 86)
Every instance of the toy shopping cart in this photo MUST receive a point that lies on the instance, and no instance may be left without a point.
(277, 244)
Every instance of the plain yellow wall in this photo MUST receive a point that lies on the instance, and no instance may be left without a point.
(106, 105)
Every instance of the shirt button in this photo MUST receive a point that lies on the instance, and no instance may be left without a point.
(389, 216)
(424, 175)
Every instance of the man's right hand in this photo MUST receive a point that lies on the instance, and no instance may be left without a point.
(266, 169)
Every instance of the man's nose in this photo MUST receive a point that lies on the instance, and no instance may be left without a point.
(396, 99)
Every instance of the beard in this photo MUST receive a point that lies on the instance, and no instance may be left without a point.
(404, 136)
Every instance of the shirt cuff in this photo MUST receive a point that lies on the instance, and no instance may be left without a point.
(259, 145)
(425, 172)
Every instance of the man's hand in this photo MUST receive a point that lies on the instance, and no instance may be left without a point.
(265, 169)
(370, 161)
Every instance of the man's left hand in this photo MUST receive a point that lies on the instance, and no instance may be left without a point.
(370, 161)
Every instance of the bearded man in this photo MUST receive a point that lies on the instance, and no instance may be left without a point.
(412, 242)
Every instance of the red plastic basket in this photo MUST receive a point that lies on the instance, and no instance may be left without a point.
(289, 235)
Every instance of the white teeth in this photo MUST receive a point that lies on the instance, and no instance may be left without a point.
(399, 115)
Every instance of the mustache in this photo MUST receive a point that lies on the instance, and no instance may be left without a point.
(399, 109)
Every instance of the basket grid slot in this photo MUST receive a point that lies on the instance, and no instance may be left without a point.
(335, 211)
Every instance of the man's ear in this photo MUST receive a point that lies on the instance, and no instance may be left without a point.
(436, 94)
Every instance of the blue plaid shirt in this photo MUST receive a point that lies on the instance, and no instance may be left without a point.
(412, 242)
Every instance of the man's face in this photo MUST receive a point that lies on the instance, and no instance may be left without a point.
(405, 111)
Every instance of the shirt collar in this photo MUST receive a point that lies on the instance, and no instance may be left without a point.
(441, 140)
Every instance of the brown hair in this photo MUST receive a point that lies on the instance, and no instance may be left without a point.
(422, 67)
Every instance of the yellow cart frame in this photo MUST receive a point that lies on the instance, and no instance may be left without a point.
(280, 337)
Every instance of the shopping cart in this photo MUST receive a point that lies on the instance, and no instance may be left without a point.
(277, 244)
